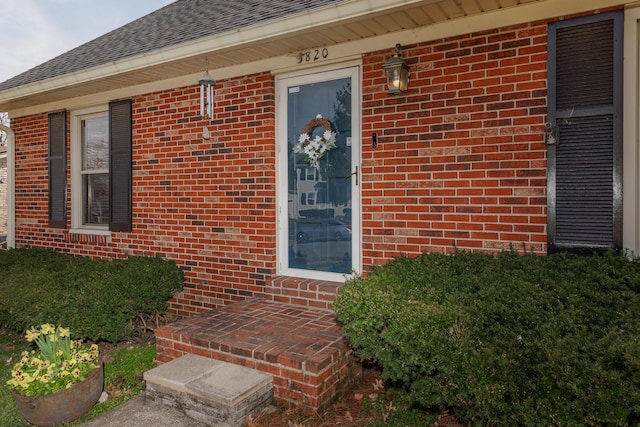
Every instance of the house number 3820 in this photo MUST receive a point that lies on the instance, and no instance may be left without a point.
(313, 55)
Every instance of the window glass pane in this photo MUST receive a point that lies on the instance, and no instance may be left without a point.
(319, 208)
(95, 143)
(95, 188)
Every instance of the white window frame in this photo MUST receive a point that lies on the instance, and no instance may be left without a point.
(77, 204)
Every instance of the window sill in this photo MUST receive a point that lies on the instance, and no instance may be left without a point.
(90, 231)
(86, 236)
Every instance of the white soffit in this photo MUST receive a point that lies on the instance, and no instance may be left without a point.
(346, 23)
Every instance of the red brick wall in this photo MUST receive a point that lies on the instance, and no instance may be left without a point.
(208, 204)
(461, 159)
(461, 162)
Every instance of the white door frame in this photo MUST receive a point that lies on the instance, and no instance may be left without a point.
(282, 84)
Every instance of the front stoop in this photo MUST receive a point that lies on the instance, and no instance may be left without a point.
(216, 393)
(302, 347)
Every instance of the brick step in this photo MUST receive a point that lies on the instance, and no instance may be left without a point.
(302, 347)
(216, 393)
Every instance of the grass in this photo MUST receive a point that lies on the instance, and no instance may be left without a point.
(10, 348)
(123, 369)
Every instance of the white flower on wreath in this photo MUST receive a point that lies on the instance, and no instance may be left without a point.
(314, 150)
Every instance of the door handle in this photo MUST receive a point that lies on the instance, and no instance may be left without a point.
(352, 174)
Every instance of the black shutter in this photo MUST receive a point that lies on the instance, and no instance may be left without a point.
(120, 139)
(585, 116)
(58, 170)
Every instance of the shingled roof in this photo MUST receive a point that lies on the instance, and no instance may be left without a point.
(174, 44)
(179, 22)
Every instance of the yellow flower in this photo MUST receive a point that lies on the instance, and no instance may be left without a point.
(32, 334)
(35, 374)
(47, 329)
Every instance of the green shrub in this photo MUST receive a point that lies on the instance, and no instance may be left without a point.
(506, 340)
(96, 299)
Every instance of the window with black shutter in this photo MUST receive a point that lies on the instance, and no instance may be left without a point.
(101, 141)
(584, 133)
(58, 170)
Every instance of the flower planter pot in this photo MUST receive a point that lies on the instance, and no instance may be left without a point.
(65, 405)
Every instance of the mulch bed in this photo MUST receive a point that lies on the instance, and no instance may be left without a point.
(347, 411)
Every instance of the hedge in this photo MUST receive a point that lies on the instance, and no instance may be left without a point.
(507, 339)
(97, 299)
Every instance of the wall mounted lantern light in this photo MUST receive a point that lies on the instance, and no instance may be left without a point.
(206, 93)
(397, 72)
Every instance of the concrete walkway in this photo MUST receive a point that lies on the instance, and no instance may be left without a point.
(194, 391)
(140, 412)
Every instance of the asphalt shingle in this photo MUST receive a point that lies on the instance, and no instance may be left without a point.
(179, 22)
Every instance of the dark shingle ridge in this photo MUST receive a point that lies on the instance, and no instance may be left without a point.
(179, 22)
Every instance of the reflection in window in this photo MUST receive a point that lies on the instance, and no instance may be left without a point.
(312, 174)
(95, 171)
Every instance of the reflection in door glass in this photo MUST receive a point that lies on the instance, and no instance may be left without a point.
(319, 202)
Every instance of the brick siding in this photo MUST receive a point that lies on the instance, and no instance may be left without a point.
(461, 158)
(460, 163)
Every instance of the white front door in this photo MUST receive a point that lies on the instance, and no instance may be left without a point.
(319, 194)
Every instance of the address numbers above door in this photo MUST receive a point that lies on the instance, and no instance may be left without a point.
(313, 55)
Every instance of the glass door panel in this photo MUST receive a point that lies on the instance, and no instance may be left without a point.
(320, 187)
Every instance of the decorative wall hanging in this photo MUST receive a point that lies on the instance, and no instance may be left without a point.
(314, 150)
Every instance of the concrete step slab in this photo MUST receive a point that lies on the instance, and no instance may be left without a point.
(211, 391)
